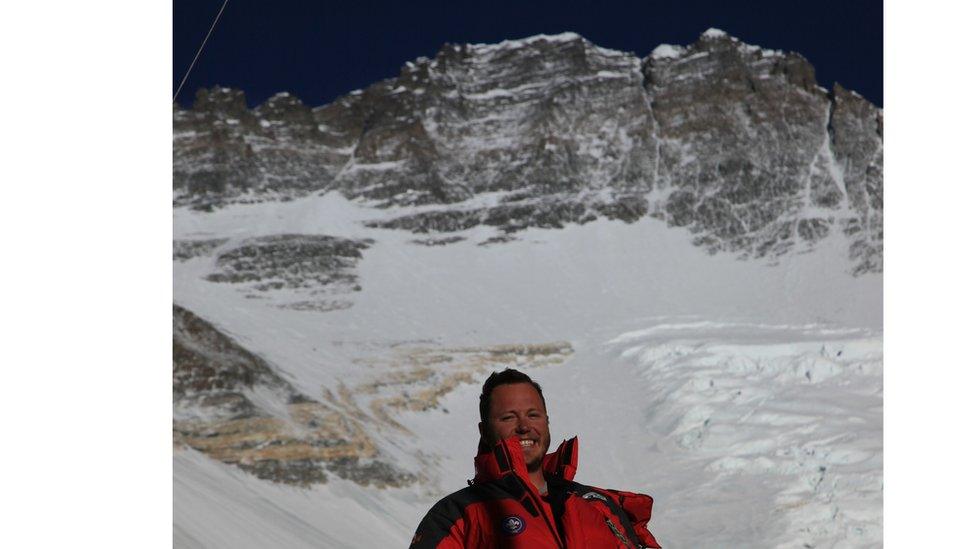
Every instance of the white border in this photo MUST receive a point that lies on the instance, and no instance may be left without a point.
(928, 273)
(87, 273)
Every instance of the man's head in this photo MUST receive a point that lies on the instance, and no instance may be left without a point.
(512, 405)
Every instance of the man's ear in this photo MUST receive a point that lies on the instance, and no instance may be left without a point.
(481, 431)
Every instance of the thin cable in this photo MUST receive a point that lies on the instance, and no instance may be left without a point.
(185, 76)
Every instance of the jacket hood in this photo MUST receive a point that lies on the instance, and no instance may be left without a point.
(506, 457)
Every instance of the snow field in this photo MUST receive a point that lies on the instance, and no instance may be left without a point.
(745, 397)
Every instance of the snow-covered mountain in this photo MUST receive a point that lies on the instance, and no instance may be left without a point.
(685, 250)
(735, 142)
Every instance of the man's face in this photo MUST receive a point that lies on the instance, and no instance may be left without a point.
(517, 410)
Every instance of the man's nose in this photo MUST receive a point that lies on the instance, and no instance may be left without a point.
(522, 426)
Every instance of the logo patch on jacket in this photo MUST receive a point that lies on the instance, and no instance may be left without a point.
(513, 525)
(595, 495)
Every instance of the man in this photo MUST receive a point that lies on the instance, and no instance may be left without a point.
(520, 496)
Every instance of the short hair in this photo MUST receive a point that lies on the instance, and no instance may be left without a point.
(507, 376)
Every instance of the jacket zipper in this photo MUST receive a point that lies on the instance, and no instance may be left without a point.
(537, 501)
(617, 533)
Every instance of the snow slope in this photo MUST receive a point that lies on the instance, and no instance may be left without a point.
(744, 396)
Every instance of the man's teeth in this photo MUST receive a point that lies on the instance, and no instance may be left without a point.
(527, 443)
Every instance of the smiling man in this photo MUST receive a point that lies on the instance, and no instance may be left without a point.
(523, 497)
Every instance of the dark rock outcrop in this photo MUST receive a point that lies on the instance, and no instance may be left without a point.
(234, 407)
(291, 261)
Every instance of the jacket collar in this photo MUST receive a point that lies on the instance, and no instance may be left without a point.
(503, 458)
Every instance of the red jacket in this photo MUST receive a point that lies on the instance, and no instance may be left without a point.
(502, 508)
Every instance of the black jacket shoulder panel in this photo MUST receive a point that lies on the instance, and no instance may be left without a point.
(437, 524)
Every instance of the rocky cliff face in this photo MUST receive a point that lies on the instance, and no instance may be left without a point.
(734, 142)
(756, 156)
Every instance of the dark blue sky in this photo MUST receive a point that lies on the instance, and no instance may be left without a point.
(319, 50)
